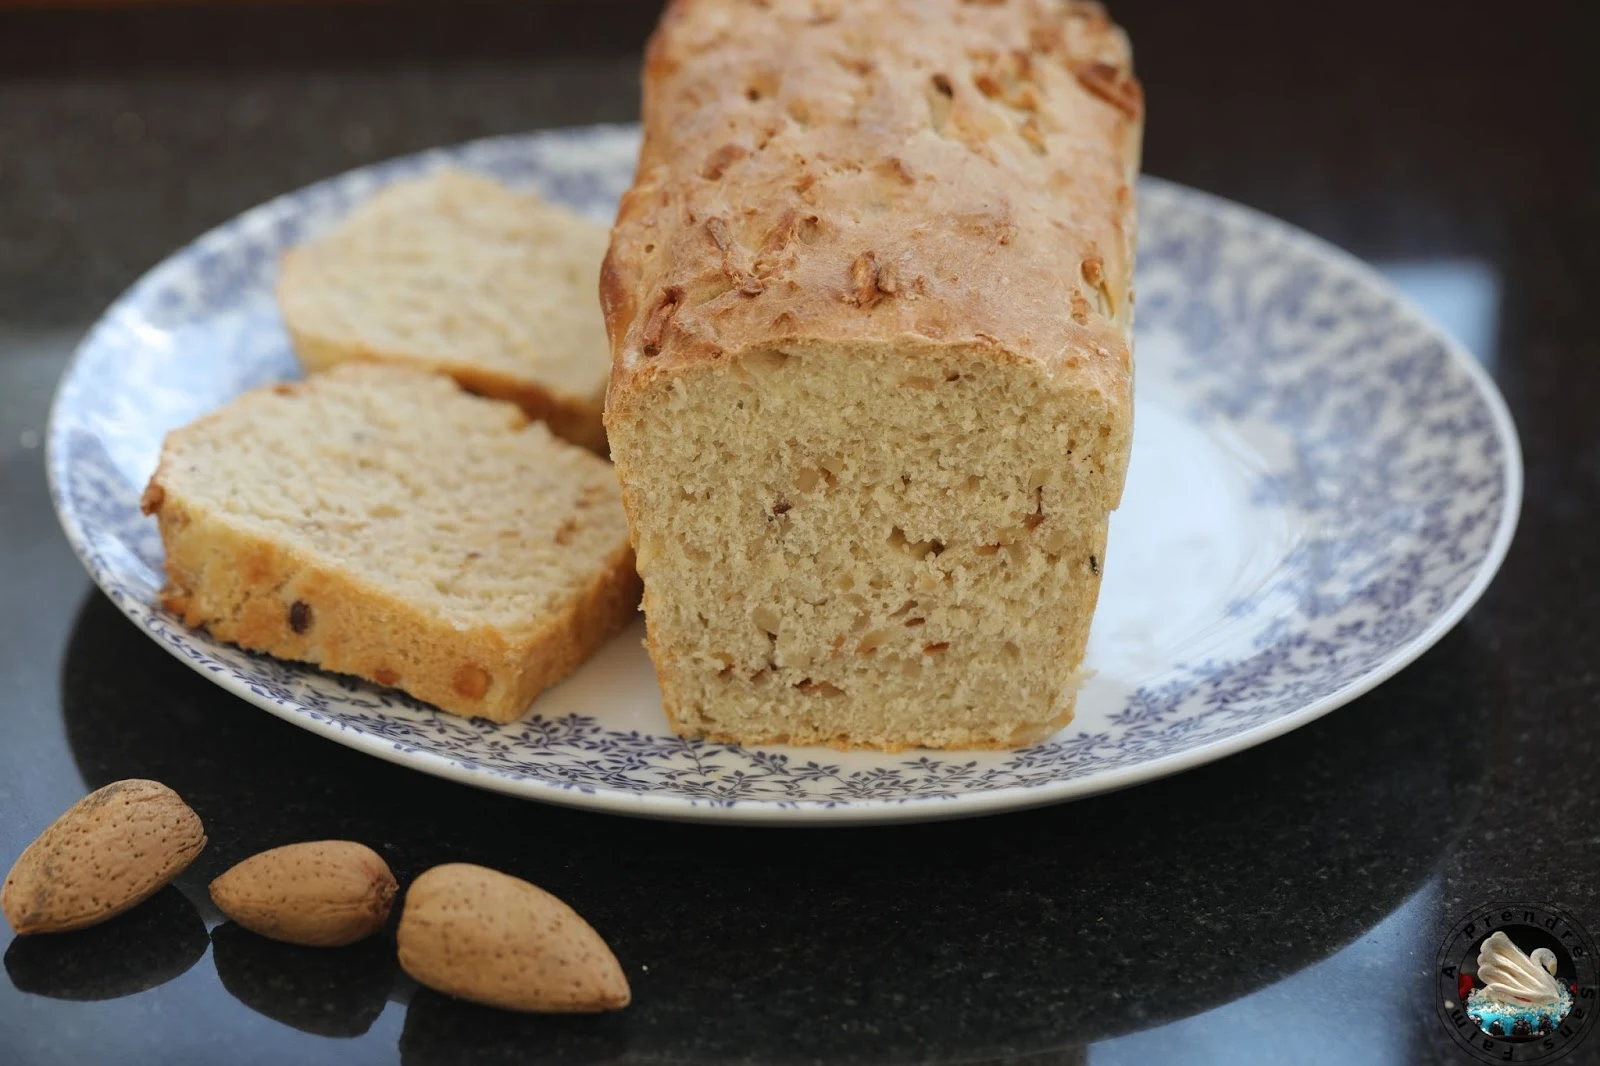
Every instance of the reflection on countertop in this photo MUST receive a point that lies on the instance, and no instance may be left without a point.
(1216, 916)
(1180, 896)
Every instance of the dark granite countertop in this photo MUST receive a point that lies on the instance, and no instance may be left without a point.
(1283, 905)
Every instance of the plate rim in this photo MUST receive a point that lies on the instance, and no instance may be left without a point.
(815, 812)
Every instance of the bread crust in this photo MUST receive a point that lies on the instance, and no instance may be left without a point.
(920, 172)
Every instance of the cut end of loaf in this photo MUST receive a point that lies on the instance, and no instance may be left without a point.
(869, 548)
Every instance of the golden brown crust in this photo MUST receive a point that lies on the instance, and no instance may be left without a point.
(930, 172)
(247, 590)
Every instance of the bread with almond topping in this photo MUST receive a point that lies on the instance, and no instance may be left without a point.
(870, 306)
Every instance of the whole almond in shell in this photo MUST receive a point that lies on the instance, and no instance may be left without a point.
(481, 935)
(109, 852)
(323, 893)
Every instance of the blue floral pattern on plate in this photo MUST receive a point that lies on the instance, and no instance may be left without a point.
(1395, 455)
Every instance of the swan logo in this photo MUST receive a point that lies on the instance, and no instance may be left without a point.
(1518, 982)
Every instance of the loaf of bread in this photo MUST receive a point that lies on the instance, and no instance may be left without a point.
(458, 274)
(380, 522)
(870, 308)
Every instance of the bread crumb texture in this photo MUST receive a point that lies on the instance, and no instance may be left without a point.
(380, 522)
(871, 309)
(457, 273)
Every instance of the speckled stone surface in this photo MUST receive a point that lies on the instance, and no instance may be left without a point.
(1212, 917)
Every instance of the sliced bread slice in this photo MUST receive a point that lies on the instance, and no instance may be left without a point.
(378, 521)
(458, 274)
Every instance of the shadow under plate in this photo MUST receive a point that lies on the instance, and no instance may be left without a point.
(1054, 927)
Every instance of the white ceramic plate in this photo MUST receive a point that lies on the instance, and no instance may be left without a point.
(1322, 484)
